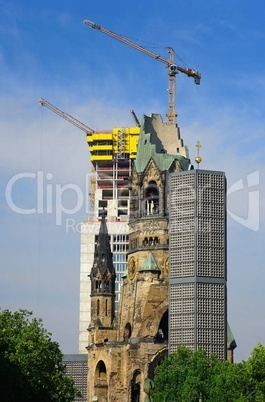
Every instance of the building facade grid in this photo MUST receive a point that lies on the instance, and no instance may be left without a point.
(197, 261)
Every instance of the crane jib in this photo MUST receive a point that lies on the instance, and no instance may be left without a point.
(170, 64)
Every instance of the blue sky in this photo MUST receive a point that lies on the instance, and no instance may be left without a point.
(46, 51)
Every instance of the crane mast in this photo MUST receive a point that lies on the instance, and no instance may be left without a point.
(66, 116)
(173, 69)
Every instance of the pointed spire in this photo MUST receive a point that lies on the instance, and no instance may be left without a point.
(103, 255)
(102, 280)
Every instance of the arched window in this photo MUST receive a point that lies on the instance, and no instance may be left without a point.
(152, 198)
(127, 332)
(145, 242)
(106, 307)
(106, 286)
(98, 285)
(101, 371)
(162, 333)
(156, 241)
(101, 384)
(98, 306)
(136, 386)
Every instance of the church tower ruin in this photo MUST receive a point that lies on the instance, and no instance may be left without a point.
(123, 351)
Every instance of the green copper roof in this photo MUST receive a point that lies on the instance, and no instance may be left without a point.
(150, 264)
(150, 147)
(230, 338)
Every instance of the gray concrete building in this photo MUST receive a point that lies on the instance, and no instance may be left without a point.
(197, 261)
(76, 367)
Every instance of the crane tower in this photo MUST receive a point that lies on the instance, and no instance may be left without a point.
(172, 67)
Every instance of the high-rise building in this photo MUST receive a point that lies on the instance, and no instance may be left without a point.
(76, 368)
(112, 153)
(197, 260)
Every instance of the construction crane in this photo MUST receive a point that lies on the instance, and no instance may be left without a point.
(138, 124)
(66, 116)
(173, 69)
(121, 135)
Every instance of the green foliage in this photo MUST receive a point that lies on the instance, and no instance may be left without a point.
(256, 367)
(31, 366)
(186, 376)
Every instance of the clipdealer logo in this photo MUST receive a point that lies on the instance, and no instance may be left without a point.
(51, 198)
(246, 191)
(252, 182)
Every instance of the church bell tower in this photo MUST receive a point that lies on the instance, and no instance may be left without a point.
(102, 281)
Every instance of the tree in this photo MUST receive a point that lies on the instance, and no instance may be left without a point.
(187, 376)
(184, 376)
(230, 382)
(31, 367)
(256, 367)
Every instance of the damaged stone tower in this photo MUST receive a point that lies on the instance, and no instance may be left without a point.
(124, 350)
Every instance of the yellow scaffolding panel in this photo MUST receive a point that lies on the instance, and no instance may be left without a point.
(121, 142)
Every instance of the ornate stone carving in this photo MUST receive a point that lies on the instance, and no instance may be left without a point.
(131, 268)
